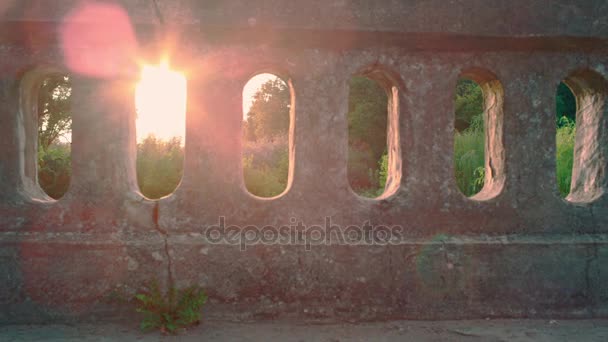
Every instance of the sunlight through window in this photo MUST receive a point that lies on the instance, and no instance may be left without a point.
(160, 99)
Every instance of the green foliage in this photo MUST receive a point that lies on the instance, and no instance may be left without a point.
(367, 116)
(468, 103)
(268, 116)
(266, 166)
(479, 177)
(469, 139)
(55, 169)
(172, 310)
(54, 128)
(565, 105)
(263, 181)
(54, 110)
(265, 133)
(160, 166)
(469, 148)
(361, 168)
(266, 157)
(367, 124)
(378, 176)
(566, 134)
(382, 172)
(469, 159)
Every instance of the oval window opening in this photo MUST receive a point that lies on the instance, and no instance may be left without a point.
(54, 135)
(565, 138)
(160, 100)
(469, 137)
(581, 141)
(368, 124)
(266, 123)
(479, 153)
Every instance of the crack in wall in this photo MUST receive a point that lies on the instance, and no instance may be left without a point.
(165, 235)
(159, 14)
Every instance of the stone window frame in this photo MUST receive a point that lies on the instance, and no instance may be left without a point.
(590, 161)
(391, 82)
(494, 147)
(29, 84)
(284, 76)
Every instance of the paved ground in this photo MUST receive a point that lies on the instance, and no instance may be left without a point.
(417, 331)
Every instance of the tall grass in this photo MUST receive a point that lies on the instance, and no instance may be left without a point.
(566, 133)
(266, 166)
(469, 160)
(159, 166)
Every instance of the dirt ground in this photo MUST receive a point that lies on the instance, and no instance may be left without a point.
(417, 331)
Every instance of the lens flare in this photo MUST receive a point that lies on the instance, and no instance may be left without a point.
(160, 99)
(92, 47)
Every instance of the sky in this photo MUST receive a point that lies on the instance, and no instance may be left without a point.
(161, 101)
(254, 84)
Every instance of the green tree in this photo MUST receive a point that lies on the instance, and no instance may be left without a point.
(265, 133)
(268, 116)
(266, 158)
(468, 103)
(54, 122)
(54, 110)
(249, 128)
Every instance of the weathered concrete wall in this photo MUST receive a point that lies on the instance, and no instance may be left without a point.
(518, 250)
(477, 17)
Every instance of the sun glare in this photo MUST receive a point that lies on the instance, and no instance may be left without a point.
(160, 99)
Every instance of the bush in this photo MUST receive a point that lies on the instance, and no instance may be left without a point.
(55, 169)
(171, 311)
(362, 169)
(266, 166)
(262, 180)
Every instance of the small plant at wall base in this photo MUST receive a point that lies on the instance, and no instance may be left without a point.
(171, 311)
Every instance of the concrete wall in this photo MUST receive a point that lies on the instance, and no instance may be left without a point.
(516, 250)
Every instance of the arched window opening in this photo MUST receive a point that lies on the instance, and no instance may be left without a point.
(54, 161)
(160, 100)
(582, 137)
(478, 136)
(267, 107)
(565, 120)
(469, 137)
(374, 152)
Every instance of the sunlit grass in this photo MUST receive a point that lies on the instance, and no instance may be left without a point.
(469, 160)
(565, 156)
